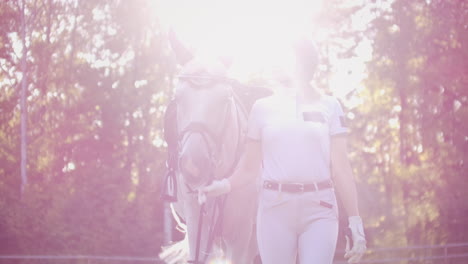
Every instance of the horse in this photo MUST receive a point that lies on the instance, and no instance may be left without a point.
(205, 127)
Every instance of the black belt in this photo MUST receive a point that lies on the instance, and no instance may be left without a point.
(297, 187)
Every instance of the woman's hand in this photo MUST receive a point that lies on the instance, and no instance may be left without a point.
(216, 188)
(355, 254)
(248, 168)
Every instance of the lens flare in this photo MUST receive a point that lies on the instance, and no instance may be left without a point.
(256, 33)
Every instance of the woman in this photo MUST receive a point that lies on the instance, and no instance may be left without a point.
(298, 141)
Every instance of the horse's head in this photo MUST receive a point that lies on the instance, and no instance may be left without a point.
(204, 128)
(204, 109)
(206, 116)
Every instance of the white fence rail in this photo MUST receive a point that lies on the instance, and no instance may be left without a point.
(77, 259)
(456, 253)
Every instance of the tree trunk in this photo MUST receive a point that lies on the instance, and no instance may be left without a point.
(24, 112)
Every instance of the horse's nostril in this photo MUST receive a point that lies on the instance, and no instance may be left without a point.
(194, 161)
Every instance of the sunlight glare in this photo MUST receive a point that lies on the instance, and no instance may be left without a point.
(256, 33)
(258, 36)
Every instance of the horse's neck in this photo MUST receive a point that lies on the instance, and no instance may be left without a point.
(233, 139)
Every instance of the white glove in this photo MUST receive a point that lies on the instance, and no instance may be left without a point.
(216, 188)
(355, 254)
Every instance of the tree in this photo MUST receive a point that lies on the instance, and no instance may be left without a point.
(99, 77)
(409, 123)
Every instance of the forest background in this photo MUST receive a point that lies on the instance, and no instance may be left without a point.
(99, 74)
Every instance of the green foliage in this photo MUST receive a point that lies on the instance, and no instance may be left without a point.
(409, 142)
(98, 74)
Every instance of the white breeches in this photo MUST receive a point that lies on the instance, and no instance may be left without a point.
(297, 225)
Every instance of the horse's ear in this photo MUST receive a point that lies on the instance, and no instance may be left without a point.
(183, 54)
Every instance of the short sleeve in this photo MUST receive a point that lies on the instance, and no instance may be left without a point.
(254, 125)
(338, 125)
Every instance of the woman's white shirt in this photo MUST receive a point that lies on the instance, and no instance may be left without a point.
(296, 136)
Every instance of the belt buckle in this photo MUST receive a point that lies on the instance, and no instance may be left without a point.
(268, 185)
(301, 186)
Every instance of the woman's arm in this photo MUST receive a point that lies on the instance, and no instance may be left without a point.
(343, 175)
(346, 187)
(246, 171)
(249, 165)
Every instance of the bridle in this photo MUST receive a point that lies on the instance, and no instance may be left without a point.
(213, 141)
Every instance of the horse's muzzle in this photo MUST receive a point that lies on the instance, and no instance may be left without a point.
(194, 163)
